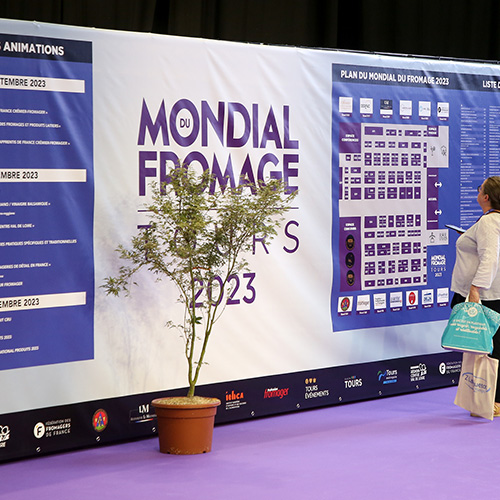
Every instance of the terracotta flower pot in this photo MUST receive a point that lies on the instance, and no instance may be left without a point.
(185, 425)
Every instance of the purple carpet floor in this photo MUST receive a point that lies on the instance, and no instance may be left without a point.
(416, 446)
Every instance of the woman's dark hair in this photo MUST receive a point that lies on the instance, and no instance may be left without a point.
(491, 187)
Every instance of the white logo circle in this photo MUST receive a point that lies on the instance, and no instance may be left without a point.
(39, 430)
(472, 311)
(442, 368)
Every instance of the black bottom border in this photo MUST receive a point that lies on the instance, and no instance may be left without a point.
(63, 428)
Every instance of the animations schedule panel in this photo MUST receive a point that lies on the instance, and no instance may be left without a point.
(46, 201)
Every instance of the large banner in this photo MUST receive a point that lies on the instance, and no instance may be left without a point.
(347, 303)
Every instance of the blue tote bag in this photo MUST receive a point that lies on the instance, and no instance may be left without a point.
(471, 328)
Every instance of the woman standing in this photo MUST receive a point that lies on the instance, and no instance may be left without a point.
(476, 272)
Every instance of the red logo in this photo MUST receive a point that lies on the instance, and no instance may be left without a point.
(276, 393)
(345, 304)
(100, 420)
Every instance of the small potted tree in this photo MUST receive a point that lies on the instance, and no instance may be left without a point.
(198, 237)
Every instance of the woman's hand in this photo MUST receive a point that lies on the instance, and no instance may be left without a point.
(474, 294)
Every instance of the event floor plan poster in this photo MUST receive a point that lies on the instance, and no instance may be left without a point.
(403, 141)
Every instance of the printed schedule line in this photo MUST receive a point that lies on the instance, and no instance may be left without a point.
(24, 303)
(18, 82)
(42, 175)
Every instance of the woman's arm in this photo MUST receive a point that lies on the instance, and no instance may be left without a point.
(474, 294)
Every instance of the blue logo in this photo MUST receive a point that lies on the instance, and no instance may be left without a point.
(387, 376)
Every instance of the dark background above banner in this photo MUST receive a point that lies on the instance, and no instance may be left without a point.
(466, 30)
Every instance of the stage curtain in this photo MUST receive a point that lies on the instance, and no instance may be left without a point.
(461, 29)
